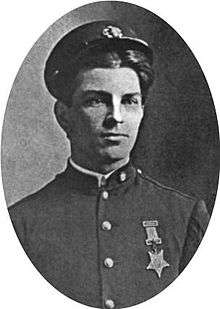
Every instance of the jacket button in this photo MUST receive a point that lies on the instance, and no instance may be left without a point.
(109, 304)
(105, 195)
(139, 171)
(106, 226)
(108, 262)
(123, 176)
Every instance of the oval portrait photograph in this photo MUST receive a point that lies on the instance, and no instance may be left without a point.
(110, 155)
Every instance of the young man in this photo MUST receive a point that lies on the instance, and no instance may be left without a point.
(101, 232)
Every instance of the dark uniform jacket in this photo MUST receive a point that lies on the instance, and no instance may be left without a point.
(90, 242)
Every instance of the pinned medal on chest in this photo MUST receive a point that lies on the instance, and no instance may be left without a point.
(157, 261)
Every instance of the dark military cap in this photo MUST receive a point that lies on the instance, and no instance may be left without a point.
(61, 65)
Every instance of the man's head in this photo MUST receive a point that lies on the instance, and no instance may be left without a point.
(104, 106)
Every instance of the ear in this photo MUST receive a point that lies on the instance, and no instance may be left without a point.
(61, 111)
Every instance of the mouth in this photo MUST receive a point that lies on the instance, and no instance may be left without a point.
(114, 137)
(111, 134)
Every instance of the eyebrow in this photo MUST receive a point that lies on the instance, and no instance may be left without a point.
(97, 92)
(132, 94)
(105, 93)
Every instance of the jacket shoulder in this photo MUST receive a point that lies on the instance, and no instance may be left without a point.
(37, 199)
(166, 190)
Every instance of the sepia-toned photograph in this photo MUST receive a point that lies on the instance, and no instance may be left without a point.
(110, 154)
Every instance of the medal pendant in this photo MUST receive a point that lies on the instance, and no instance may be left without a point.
(157, 262)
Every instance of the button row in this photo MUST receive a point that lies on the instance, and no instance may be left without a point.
(109, 303)
(108, 262)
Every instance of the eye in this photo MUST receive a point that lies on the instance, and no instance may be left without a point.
(94, 102)
(131, 101)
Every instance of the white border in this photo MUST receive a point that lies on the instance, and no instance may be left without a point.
(21, 24)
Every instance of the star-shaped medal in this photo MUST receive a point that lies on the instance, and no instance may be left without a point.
(157, 262)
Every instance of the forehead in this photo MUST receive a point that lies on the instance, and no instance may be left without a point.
(111, 80)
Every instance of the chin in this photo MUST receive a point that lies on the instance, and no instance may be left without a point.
(113, 154)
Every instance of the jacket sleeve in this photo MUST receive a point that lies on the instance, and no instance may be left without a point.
(196, 228)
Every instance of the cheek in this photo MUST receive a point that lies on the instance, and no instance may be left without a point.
(84, 124)
(134, 119)
(93, 117)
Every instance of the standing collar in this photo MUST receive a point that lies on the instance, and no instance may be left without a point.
(99, 176)
(78, 181)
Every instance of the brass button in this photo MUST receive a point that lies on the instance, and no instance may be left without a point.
(123, 176)
(105, 195)
(109, 263)
(106, 226)
(109, 304)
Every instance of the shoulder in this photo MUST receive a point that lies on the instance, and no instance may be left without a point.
(173, 203)
(38, 209)
(36, 202)
(162, 190)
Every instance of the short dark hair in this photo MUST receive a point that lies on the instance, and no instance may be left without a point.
(106, 57)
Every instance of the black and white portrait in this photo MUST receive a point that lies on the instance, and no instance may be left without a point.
(110, 155)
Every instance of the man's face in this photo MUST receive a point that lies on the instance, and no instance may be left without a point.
(105, 114)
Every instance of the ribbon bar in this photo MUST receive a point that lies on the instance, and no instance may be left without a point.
(150, 223)
(152, 236)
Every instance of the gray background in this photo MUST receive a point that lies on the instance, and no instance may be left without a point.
(178, 144)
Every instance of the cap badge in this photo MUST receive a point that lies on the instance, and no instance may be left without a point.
(112, 32)
(157, 262)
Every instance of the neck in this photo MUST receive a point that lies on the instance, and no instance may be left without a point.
(102, 167)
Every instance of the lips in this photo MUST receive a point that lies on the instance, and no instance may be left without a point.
(113, 138)
(112, 134)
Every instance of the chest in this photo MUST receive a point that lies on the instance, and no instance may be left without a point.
(97, 244)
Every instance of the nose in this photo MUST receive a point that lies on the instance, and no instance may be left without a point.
(116, 109)
(114, 114)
